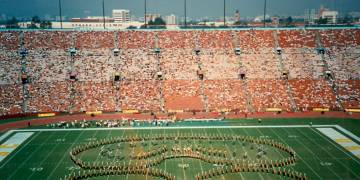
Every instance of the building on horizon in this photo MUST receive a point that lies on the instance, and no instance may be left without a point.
(237, 16)
(151, 17)
(310, 16)
(94, 19)
(171, 19)
(328, 14)
(121, 15)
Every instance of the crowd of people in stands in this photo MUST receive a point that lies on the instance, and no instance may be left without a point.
(303, 63)
(149, 80)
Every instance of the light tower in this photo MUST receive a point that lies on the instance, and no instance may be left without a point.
(60, 13)
(185, 13)
(264, 13)
(103, 10)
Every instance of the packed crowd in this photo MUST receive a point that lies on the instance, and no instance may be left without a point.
(219, 64)
(216, 40)
(297, 39)
(311, 93)
(10, 66)
(269, 93)
(179, 64)
(263, 65)
(140, 95)
(344, 62)
(183, 95)
(138, 64)
(94, 66)
(349, 91)
(176, 39)
(136, 40)
(225, 95)
(49, 97)
(94, 96)
(9, 40)
(303, 63)
(252, 41)
(48, 40)
(11, 98)
(339, 38)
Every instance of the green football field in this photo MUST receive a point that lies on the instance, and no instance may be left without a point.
(188, 149)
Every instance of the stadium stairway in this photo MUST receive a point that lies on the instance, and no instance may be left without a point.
(328, 74)
(204, 98)
(117, 62)
(282, 69)
(249, 106)
(242, 68)
(160, 81)
(236, 44)
(24, 71)
(72, 90)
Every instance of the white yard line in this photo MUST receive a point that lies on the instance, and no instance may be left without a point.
(222, 176)
(192, 134)
(281, 155)
(65, 155)
(132, 152)
(227, 147)
(97, 157)
(313, 155)
(28, 157)
(275, 150)
(116, 153)
(82, 154)
(332, 157)
(47, 156)
(164, 134)
(10, 156)
(337, 146)
(259, 174)
(297, 155)
(182, 161)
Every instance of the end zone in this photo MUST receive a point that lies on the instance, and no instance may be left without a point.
(12, 143)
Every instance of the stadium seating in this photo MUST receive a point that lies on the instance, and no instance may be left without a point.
(140, 95)
(9, 67)
(349, 91)
(48, 40)
(219, 64)
(10, 99)
(311, 93)
(179, 64)
(269, 93)
(297, 39)
(338, 38)
(49, 97)
(302, 63)
(225, 95)
(9, 40)
(344, 62)
(183, 95)
(49, 67)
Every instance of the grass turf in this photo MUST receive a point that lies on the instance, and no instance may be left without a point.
(45, 155)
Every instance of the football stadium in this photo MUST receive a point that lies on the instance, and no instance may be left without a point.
(192, 103)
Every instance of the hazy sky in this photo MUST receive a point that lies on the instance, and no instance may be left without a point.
(196, 8)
